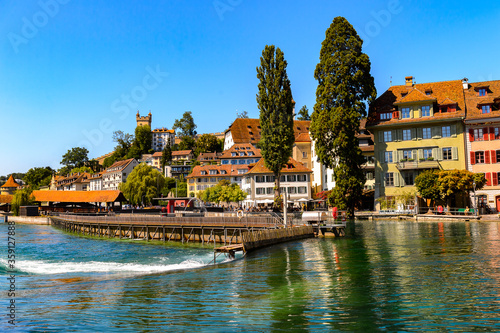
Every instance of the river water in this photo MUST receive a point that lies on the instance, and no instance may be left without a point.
(385, 276)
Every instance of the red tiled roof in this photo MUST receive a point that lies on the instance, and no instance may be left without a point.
(241, 147)
(10, 182)
(441, 91)
(6, 199)
(158, 154)
(231, 170)
(474, 101)
(78, 196)
(181, 152)
(120, 165)
(292, 167)
(247, 130)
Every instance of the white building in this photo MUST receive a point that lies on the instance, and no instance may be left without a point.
(116, 174)
(95, 182)
(161, 137)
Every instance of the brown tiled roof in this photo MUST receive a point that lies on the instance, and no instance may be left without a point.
(441, 91)
(78, 196)
(120, 165)
(241, 147)
(181, 152)
(474, 101)
(6, 199)
(231, 170)
(247, 130)
(209, 156)
(73, 178)
(10, 182)
(158, 154)
(415, 95)
(292, 167)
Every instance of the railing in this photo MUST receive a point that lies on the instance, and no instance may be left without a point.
(443, 210)
(411, 165)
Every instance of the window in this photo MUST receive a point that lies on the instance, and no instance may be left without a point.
(213, 180)
(387, 136)
(446, 131)
(241, 162)
(407, 154)
(242, 154)
(497, 133)
(270, 179)
(304, 154)
(388, 157)
(386, 116)
(405, 113)
(269, 190)
(389, 179)
(291, 178)
(447, 154)
(426, 133)
(233, 162)
(250, 153)
(292, 190)
(224, 162)
(479, 156)
(498, 158)
(223, 172)
(213, 172)
(427, 153)
(485, 109)
(259, 179)
(203, 172)
(406, 134)
(408, 178)
(369, 175)
(426, 111)
(233, 154)
(260, 190)
(302, 189)
(478, 134)
(302, 178)
(241, 171)
(482, 92)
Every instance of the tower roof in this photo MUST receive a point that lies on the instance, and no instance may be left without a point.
(10, 182)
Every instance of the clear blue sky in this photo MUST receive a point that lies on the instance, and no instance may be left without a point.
(74, 71)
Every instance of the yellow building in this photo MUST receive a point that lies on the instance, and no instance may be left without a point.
(416, 127)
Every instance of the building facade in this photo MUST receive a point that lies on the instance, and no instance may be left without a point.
(161, 137)
(416, 127)
(206, 176)
(240, 154)
(117, 173)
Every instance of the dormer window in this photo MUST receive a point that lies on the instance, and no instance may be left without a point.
(405, 113)
(428, 92)
(482, 92)
(203, 172)
(213, 172)
(426, 111)
(403, 94)
(386, 116)
(485, 109)
(233, 154)
(242, 154)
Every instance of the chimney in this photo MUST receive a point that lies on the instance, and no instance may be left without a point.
(465, 83)
(409, 81)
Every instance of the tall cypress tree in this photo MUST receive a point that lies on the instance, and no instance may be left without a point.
(345, 86)
(276, 112)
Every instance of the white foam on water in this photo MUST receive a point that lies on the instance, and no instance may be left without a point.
(44, 267)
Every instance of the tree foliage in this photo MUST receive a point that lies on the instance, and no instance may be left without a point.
(36, 177)
(274, 100)
(427, 185)
(22, 197)
(143, 184)
(304, 113)
(75, 157)
(207, 143)
(345, 85)
(185, 126)
(166, 156)
(224, 191)
(143, 139)
(187, 143)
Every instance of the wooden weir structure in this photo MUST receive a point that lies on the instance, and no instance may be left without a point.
(232, 233)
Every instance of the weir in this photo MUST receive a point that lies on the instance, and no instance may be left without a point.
(233, 233)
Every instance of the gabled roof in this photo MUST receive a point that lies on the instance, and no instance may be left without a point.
(120, 165)
(181, 152)
(157, 154)
(247, 130)
(11, 183)
(474, 101)
(78, 196)
(292, 167)
(230, 170)
(415, 95)
(241, 147)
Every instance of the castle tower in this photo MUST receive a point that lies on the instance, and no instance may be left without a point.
(143, 121)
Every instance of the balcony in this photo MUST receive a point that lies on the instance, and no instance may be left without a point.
(415, 165)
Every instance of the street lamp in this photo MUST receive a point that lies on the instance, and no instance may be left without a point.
(475, 197)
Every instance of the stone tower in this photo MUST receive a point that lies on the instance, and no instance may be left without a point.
(143, 121)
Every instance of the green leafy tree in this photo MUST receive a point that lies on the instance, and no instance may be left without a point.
(143, 139)
(143, 184)
(224, 191)
(75, 157)
(22, 197)
(36, 177)
(427, 185)
(185, 126)
(304, 113)
(274, 100)
(82, 170)
(187, 143)
(244, 114)
(453, 182)
(207, 143)
(166, 156)
(345, 85)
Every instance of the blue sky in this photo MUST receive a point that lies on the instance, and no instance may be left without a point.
(74, 71)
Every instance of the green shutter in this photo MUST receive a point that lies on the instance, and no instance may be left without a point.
(380, 136)
(413, 133)
(453, 131)
(436, 132)
(419, 133)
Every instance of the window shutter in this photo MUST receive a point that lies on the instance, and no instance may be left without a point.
(494, 175)
(413, 133)
(487, 156)
(411, 112)
(439, 156)
(454, 153)
(453, 130)
(380, 136)
(400, 155)
(419, 133)
(435, 153)
(414, 154)
(432, 110)
(472, 158)
(471, 135)
(395, 135)
(492, 134)
(382, 157)
(488, 178)
(493, 154)
(436, 132)
(420, 153)
(485, 134)
(394, 156)
(396, 179)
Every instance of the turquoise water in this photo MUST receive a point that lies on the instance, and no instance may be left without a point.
(388, 276)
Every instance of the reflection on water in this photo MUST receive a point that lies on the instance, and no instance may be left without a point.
(388, 276)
